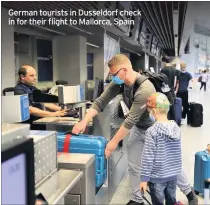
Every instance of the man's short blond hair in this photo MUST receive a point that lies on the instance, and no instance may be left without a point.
(119, 59)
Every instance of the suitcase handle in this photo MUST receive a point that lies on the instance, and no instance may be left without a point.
(101, 164)
(70, 133)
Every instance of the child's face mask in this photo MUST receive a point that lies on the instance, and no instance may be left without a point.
(151, 115)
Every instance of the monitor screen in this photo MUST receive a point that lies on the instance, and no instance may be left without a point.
(154, 45)
(142, 33)
(99, 88)
(17, 161)
(14, 180)
(152, 69)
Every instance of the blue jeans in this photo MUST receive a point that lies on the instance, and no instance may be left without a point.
(163, 191)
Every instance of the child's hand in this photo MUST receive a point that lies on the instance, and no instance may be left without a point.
(143, 186)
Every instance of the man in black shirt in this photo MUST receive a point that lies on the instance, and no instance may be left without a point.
(25, 85)
(183, 82)
(172, 73)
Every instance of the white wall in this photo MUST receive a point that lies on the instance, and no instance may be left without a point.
(98, 61)
(70, 59)
(7, 49)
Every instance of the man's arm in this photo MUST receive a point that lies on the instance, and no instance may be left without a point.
(177, 86)
(137, 109)
(177, 81)
(148, 157)
(109, 93)
(121, 133)
(99, 104)
(42, 113)
(52, 106)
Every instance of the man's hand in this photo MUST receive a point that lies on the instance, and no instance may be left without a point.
(79, 127)
(110, 147)
(60, 113)
(143, 186)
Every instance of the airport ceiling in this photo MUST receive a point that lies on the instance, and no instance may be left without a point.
(158, 17)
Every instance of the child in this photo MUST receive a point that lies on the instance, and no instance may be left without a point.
(161, 159)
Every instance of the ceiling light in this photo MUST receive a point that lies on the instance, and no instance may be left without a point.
(90, 44)
(138, 54)
(79, 29)
(51, 30)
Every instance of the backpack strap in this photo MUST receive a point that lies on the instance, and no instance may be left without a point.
(138, 83)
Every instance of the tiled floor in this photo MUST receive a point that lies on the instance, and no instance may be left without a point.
(193, 140)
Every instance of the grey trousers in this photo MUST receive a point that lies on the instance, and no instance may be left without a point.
(135, 148)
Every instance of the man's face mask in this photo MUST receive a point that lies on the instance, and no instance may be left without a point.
(116, 79)
(183, 70)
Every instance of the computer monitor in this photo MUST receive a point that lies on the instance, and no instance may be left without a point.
(142, 32)
(17, 165)
(98, 89)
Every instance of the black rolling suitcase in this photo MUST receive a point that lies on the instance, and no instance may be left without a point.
(195, 114)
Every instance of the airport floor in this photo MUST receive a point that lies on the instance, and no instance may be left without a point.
(193, 140)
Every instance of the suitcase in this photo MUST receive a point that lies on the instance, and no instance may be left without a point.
(178, 110)
(86, 144)
(201, 170)
(195, 114)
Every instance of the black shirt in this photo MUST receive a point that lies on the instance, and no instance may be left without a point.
(21, 89)
(184, 79)
(171, 73)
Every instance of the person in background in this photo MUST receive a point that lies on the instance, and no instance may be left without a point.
(170, 71)
(161, 158)
(182, 88)
(204, 80)
(25, 85)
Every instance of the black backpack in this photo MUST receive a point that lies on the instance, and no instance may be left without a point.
(161, 84)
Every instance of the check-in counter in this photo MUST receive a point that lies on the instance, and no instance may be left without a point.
(84, 192)
(61, 124)
(104, 124)
(58, 185)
